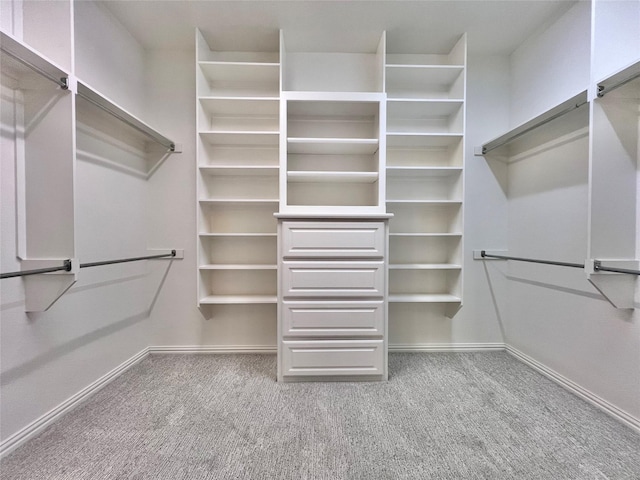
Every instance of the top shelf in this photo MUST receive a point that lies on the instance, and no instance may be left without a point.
(618, 79)
(124, 116)
(16, 56)
(256, 72)
(536, 122)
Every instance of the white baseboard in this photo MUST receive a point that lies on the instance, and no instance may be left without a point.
(271, 349)
(447, 347)
(578, 390)
(38, 425)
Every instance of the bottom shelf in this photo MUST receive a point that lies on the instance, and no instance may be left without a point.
(238, 299)
(424, 298)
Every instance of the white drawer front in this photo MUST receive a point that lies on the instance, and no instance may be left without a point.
(335, 239)
(337, 319)
(333, 357)
(333, 279)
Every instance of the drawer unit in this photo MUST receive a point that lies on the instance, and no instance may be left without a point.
(333, 279)
(333, 357)
(333, 319)
(332, 299)
(333, 239)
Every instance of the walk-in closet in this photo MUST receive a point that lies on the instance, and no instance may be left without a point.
(309, 239)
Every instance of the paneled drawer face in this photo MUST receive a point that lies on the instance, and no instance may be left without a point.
(333, 319)
(333, 357)
(333, 239)
(333, 279)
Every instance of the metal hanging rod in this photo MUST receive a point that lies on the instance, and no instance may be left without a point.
(66, 267)
(546, 117)
(597, 266)
(484, 254)
(124, 260)
(32, 60)
(99, 101)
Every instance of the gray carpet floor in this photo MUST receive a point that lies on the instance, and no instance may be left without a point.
(440, 416)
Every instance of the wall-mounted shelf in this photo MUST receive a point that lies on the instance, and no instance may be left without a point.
(618, 79)
(411, 171)
(336, 146)
(238, 299)
(558, 111)
(239, 170)
(332, 177)
(424, 298)
(121, 114)
(25, 56)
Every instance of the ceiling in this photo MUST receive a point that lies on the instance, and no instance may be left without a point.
(428, 26)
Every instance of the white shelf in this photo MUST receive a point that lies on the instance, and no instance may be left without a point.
(237, 267)
(330, 146)
(122, 115)
(240, 137)
(214, 201)
(423, 81)
(237, 234)
(238, 299)
(422, 234)
(422, 171)
(425, 266)
(255, 72)
(334, 177)
(425, 202)
(239, 170)
(240, 106)
(12, 50)
(418, 108)
(424, 298)
(536, 122)
(413, 140)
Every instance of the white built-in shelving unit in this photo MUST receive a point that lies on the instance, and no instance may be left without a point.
(335, 135)
(238, 134)
(425, 176)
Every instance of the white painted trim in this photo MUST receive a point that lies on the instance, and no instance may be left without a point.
(592, 398)
(36, 427)
(447, 347)
(270, 349)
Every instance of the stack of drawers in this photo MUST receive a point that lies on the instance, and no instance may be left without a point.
(332, 317)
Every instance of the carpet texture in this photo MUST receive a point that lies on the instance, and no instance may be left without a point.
(440, 416)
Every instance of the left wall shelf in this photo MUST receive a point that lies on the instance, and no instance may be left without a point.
(45, 120)
(42, 121)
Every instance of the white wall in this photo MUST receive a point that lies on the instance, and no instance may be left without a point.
(616, 39)
(103, 320)
(108, 58)
(552, 65)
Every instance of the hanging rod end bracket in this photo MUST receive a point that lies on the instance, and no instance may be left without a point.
(484, 255)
